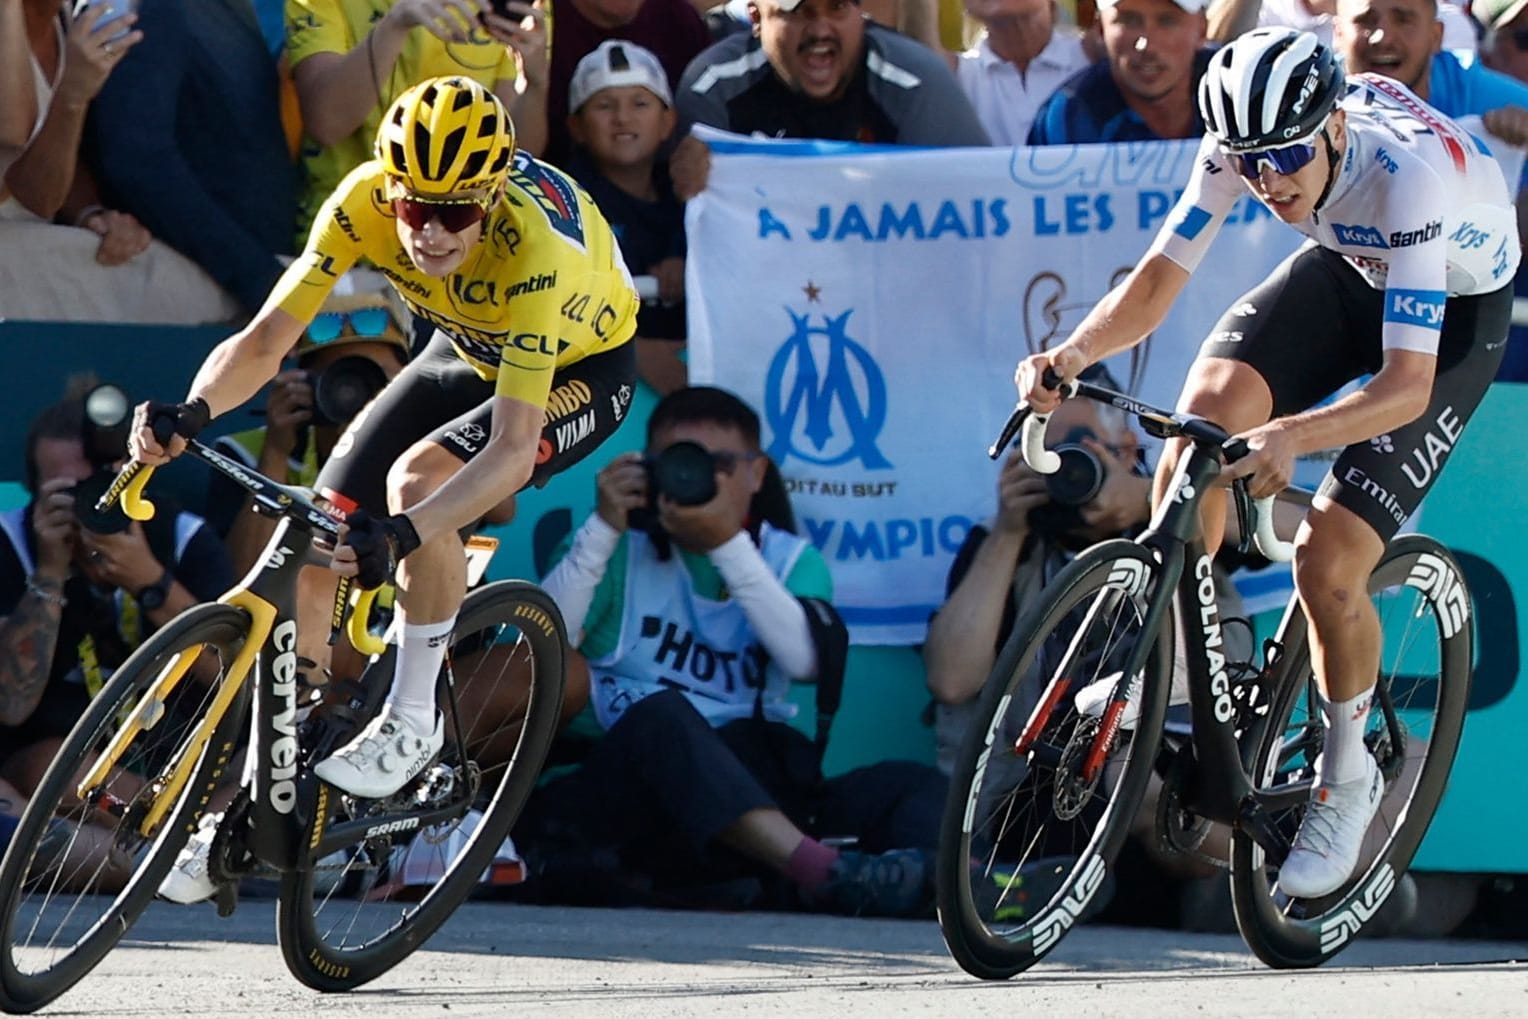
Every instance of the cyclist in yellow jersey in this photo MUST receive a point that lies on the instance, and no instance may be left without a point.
(530, 368)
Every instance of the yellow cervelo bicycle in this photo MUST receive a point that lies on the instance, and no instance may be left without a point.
(168, 739)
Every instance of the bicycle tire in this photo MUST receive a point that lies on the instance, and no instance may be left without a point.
(28, 879)
(313, 902)
(1415, 573)
(1028, 813)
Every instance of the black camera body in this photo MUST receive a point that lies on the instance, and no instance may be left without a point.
(343, 388)
(1074, 484)
(103, 434)
(685, 472)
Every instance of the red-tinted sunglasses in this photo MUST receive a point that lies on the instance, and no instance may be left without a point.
(452, 216)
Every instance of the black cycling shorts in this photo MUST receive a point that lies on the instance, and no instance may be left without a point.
(1315, 325)
(440, 398)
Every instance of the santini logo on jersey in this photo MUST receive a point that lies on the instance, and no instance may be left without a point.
(1416, 307)
(1406, 238)
(1359, 236)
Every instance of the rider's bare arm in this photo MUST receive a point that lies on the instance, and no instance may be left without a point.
(1129, 312)
(503, 466)
(1395, 396)
(247, 360)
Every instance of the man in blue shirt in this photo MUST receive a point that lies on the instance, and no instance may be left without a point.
(1402, 39)
(1145, 88)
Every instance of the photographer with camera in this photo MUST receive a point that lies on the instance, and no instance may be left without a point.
(347, 354)
(1102, 490)
(693, 612)
(79, 590)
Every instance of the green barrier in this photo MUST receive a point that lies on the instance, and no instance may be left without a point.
(884, 696)
(1474, 511)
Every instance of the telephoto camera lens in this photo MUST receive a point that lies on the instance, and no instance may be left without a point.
(343, 388)
(1079, 478)
(686, 473)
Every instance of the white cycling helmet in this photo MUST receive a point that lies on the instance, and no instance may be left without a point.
(1269, 88)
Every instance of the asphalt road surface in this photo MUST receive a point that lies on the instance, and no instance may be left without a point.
(498, 960)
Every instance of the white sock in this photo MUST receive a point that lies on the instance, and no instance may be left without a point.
(421, 650)
(1342, 758)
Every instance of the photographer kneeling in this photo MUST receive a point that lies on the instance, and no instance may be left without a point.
(1101, 491)
(693, 614)
(80, 590)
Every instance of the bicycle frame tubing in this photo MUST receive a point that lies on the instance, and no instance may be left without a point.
(279, 815)
(1223, 790)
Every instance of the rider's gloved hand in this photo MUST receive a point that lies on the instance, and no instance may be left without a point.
(378, 543)
(161, 430)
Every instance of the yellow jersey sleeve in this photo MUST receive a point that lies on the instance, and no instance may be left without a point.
(338, 241)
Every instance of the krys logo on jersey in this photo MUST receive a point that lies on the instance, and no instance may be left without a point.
(826, 403)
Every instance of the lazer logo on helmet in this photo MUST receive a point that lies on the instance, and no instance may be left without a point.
(1416, 307)
(1359, 236)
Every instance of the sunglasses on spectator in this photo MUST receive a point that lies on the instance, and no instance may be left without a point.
(453, 216)
(1285, 160)
(329, 325)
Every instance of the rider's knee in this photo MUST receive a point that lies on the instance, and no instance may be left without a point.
(1329, 579)
(417, 474)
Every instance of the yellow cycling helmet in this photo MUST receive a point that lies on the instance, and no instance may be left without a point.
(445, 136)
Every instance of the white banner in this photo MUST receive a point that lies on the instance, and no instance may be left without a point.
(871, 304)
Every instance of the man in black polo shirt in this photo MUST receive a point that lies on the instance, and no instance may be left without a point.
(818, 69)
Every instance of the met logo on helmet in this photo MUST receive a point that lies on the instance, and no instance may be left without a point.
(1359, 236)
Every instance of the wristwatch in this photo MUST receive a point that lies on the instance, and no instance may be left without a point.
(153, 596)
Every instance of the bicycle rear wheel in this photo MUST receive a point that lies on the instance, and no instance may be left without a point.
(390, 882)
(1039, 805)
(80, 870)
(1413, 733)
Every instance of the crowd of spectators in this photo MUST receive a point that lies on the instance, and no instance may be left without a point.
(162, 167)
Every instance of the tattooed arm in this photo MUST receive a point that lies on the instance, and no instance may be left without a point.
(29, 635)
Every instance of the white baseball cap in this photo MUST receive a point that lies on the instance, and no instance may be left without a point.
(1192, 6)
(615, 63)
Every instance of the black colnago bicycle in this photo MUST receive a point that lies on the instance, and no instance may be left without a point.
(168, 738)
(1038, 780)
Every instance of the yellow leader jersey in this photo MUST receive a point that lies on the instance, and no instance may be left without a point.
(339, 26)
(544, 288)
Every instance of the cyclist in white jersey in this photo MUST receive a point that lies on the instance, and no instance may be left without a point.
(1407, 279)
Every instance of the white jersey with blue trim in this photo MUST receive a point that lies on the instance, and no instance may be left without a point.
(1418, 207)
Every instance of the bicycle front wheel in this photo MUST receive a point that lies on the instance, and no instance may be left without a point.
(117, 804)
(363, 907)
(1041, 797)
(1413, 733)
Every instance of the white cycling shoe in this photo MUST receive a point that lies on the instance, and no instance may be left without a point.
(383, 758)
(1090, 700)
(1326, 848)
(189, 881)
